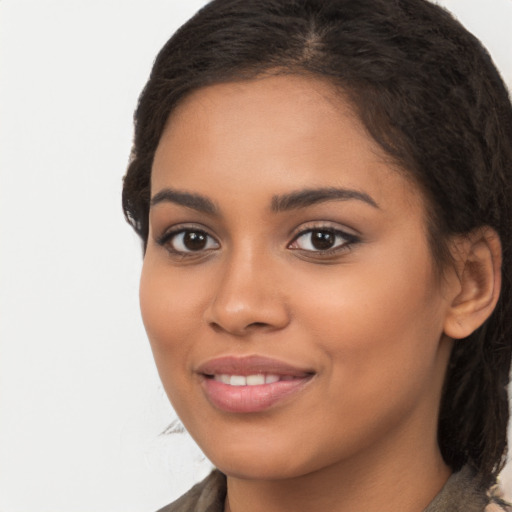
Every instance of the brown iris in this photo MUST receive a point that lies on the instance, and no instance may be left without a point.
(195, 240)
(322, 240)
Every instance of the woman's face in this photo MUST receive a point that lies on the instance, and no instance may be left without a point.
(288, 290)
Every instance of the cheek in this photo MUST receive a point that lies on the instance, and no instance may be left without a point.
(380, 343)
(169, 306)
(381, 324)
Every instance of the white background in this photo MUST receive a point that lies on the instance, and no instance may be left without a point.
(81, 407)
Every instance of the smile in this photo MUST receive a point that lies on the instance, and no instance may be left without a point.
(250, 384)
(257, 379)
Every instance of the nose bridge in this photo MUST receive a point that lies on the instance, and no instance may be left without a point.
(247, 293)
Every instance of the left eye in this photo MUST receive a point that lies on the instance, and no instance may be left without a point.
(190, 240)
(320, 240)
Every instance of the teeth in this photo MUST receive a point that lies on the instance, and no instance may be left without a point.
(249, 380)
(224, 378)
(237, 380)
(255, 380)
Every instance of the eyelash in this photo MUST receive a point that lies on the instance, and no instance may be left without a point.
(348, 240)
(166, 240)
(168, 237)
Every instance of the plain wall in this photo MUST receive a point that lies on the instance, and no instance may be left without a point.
(81, 406)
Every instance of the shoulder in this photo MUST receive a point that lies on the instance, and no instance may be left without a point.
(206, 496)
(464, 492)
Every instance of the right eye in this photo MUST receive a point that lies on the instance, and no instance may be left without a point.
(187, 241)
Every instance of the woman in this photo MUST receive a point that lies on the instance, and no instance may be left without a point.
(324, 191)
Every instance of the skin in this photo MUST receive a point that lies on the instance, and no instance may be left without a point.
(368, 319)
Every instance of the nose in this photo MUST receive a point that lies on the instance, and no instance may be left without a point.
(247, 298)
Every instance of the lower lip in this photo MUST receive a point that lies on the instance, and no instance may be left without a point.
(246, 399)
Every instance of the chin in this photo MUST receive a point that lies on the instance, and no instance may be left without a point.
(269, 469)
(269, 460)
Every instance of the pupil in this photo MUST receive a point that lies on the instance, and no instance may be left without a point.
(322, 239)
(194, 241)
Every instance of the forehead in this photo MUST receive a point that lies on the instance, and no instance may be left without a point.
(265, 94)
(276, 132)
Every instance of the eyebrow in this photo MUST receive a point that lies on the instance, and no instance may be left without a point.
(194, 201)
(309, 197)
(293, 200)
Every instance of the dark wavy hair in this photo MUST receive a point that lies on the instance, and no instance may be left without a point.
(428, 93)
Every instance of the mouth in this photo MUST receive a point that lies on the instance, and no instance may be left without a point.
(251, 384)
(257, 379)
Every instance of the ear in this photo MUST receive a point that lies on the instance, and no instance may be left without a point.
(477, 282)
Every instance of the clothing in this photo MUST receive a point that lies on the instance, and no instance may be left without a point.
(206, 496)
(461, 493)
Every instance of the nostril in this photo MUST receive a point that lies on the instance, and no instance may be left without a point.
(241, 314)
(216, 327)
(240, 330)
(257, 324)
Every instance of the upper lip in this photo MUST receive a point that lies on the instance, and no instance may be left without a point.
(250, 365)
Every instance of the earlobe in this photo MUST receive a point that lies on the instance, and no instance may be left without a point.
(478, 262)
